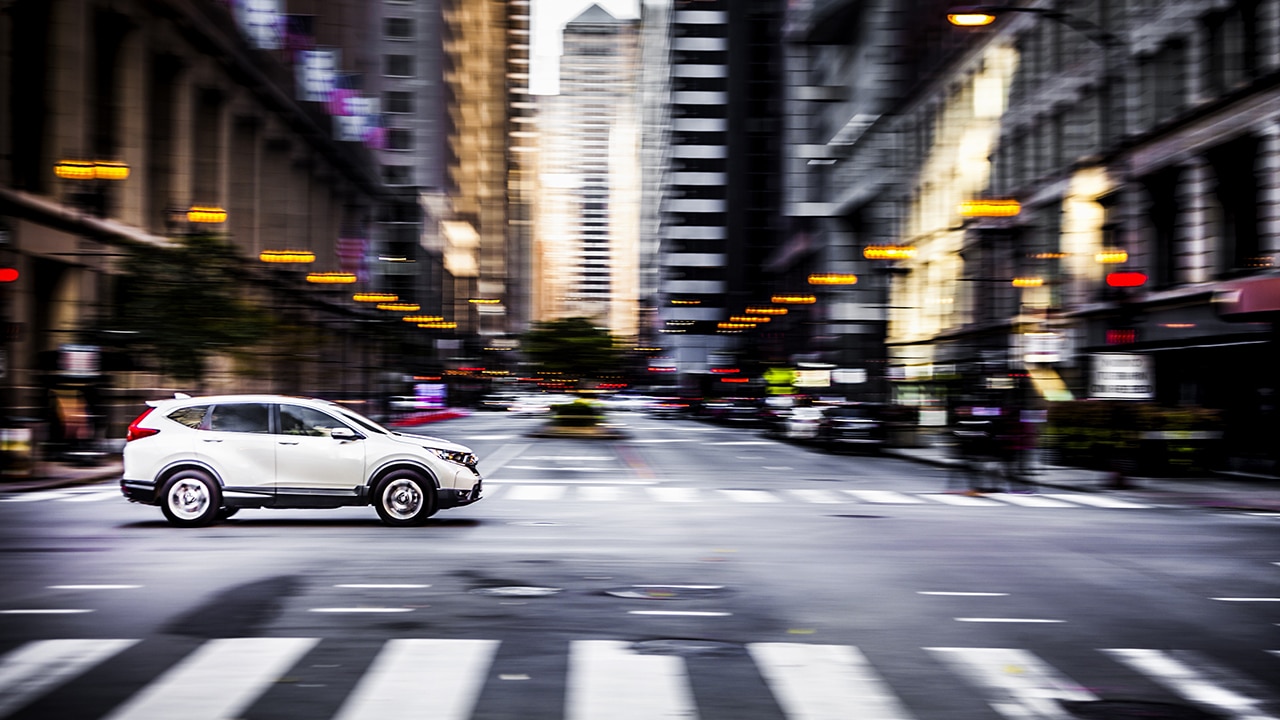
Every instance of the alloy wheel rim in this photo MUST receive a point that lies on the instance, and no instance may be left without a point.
(402, 499)
(189, 499)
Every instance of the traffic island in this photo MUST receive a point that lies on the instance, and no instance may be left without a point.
(578, 419)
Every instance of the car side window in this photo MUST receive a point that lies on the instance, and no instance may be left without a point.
(298, 420)
(192, 417)
(241, 417)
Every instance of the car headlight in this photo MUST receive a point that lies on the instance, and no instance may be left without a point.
(461, 458)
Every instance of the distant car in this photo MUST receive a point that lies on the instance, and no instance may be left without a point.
(803, 423)
(666, 407)
(863, 426)
(202, 459)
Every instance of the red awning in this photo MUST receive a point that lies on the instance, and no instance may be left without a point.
(1248, 300)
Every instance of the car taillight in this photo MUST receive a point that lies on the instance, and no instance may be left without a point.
(136, 432)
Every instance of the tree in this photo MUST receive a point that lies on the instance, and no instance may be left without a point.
(573, 347)
(185, 303)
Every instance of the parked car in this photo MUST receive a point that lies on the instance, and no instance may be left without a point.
(803, 423)
(860, 425)
(202, 459)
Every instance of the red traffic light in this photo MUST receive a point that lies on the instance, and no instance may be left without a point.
(1126, 279)
(8, 274)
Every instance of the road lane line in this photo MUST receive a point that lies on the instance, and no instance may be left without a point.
(1018, 684)
(1247, 599)
(45, 611)
(681, 613)
(542, 468)
(35, 668)
(396, 684)
(340, 610)
(884, 497)
(219, 680)
(956, 593)
(1206, 683)
(673, 494)
(384, 586)
(821, 497)
(94, 587)
(36, 496)
(1007, 620)
(608, 680)
(503, 455)
(965, 500)
(535, 492)
(1101, 501)
(93, 496)
(1029, 500)
(825, 682)
(751, 496)
(564, 481)
(600, 493)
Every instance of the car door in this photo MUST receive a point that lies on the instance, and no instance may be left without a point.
(308, 460)
(238, 444)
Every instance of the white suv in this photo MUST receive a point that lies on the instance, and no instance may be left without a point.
(203, 458)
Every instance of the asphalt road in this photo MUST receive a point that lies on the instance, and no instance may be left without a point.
(687, 571)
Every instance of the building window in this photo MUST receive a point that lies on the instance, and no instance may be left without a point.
(397, 174)
(398, 102)
(397, 28)
(399, 139)
(398, 65)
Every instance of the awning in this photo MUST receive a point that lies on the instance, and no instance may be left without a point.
(1050, 384)
(1249, 299)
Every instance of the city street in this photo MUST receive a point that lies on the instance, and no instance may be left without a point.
(688, 570)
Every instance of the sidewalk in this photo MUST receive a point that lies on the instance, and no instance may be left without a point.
(1253, 493)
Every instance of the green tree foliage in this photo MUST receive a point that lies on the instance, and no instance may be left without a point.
(183, 304)
(573, 347)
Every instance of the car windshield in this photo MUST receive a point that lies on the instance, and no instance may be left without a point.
(359, 419)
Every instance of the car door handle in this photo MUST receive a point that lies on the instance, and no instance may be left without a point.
(212, 439)
(288, 442)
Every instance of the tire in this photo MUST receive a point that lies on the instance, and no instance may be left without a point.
(191, 498)
(404, 498)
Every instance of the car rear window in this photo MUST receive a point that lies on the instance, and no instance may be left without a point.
(192, 416)
(240, 417)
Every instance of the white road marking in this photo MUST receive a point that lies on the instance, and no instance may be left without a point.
(94, 496)
(962, 594)
(455, 669)
(822, 497)
(607, 680)
(673, 494)
(967, 500)
(503, 455)
(542, 468)
(383, 586)
(35, 496)
(1247, 599)
(573, 458)
(751, 496)
(33, 669)
(1101, 501)
(340, 610)
(825, 682)
(1029, 500)
(884, 496)
(663, 440)
(1210, 684)
(489, 437)
(94, 587)
(535, 492)
(219, 680)
(681, 613)
(45, 611)
(563, 481)
(743, 442)
(1019, 685)
(1007, 620)
(600, 493)
(777, 467)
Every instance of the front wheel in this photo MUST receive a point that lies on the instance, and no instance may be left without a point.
(191, 498)
(405, 498)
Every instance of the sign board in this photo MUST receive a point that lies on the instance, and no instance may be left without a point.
(849, 376)
(1042, 347)
(1122, 376)
(813, 378)
(79, 360)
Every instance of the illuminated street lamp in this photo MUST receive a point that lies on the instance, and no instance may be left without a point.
(375, 297)
(888, 252)
(1112, 255)
(287, 256)
(331, 278)
(990, 207)
(793, 299)
(399, 306)
(766, 310)
(206, 214)
(833, 279)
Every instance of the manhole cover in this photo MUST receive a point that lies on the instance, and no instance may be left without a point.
(667, 592)
(518, 591)
(685, 648)
(1133, 710)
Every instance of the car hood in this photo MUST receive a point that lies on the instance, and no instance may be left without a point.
(421, 440)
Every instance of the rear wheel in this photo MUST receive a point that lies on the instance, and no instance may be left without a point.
(191, 498)
(405, 498)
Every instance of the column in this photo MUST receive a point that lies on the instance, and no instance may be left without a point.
(1269, 35)
(1268, 173)
(1193, 256)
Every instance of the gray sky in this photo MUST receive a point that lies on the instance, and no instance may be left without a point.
(549, 17)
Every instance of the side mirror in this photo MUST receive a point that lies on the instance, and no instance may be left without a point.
(344, 433)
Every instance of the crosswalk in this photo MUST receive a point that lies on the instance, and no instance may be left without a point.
(619, 680)
(500, 491)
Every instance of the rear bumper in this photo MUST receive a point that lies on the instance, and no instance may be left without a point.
(139, 491)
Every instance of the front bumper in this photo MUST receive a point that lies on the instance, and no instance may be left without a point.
(451, 498)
